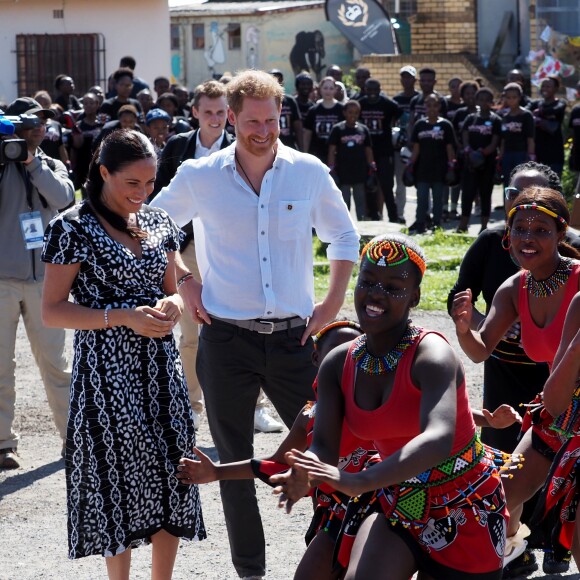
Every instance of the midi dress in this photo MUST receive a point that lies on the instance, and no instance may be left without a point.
(130, 419)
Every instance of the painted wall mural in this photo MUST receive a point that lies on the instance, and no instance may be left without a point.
(216, 53)
(252, 47)
(308, 52)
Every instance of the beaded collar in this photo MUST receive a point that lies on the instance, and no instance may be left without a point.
(549, 286)
(380, 365)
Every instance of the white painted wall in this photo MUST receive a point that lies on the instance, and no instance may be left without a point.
(139, 28)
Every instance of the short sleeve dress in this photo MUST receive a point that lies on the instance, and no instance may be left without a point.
(130, 419)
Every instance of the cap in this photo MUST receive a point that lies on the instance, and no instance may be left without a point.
(154, 114)
(27, 105)
(276, 71)
(410, 70)
(127, 109)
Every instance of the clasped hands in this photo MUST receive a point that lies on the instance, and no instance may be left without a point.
(308, 471)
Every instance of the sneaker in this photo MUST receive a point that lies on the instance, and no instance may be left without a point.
(196, 419)
(515, 546)
(253, 577)
(265, 423)
(9, 459)
(552, 566)
(523, 565)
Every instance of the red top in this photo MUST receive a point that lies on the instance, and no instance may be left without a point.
(541, 344)
(396, 422)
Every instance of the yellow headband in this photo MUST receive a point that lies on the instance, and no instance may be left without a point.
(538, 208)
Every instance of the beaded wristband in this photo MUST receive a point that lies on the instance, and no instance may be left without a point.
(184, 279)
(107, 323)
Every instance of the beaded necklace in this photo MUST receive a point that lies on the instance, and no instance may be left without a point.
(380, 365)
(549, 286)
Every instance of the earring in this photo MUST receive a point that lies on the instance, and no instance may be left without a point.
(506, 241)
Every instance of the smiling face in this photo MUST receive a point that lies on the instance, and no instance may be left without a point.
(126, 190)
(384, 295)
(257, 125)
(327, 89)
(212, 116)
(534, 239)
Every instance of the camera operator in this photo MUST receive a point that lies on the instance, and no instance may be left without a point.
(31, 192)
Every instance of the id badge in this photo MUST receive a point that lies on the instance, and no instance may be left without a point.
(32, 229)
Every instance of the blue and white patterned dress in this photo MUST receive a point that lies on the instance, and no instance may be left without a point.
(130, 418)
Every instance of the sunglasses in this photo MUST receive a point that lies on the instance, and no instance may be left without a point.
(511, 193)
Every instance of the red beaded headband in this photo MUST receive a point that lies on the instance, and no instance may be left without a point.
(384, 252)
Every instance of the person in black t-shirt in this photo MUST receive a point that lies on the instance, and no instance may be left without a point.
(481, 134)
(304, 87)
(453, 100)
(123, 79)
(320, 120)
(517, 131)
(378, 113)
(350, 156)
(427, 82)
(549, 114)
(65, 86)
(86, 130)
(290, 120)
(361, 76)
(574, 125)
(433, 156)
(403, 99)
(466, 95)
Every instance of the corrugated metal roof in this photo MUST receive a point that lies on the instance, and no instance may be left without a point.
(253, 7)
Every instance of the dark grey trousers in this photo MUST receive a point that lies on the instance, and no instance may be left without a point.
(232, 364)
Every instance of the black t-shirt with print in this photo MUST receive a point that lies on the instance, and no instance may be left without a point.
(53, 139)
(433, 139)
(351, 162)
(320, 121)
(303, 108)
(481, 130)
(549, 146)
(516, 129)
(288, 116)
(452, 108)
(379, 117)
(458, 120)
(404, 103)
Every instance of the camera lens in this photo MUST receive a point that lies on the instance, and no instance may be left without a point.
(12, 150)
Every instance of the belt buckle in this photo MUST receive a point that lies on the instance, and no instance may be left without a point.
(266, 322)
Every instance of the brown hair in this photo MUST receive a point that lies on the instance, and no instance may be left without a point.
(255, 84)
(209, 89)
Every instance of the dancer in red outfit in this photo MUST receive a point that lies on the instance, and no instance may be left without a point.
(441, 499)
(539, 296)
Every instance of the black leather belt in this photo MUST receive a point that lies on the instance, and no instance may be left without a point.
(266, 326)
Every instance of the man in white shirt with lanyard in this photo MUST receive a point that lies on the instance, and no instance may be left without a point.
(257, 202)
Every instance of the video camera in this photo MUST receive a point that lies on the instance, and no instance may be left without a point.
(13, 150)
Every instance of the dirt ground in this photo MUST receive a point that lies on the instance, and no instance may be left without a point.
(33, 543)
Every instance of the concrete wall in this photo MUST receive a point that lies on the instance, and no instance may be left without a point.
(139, 28)
(266, 42)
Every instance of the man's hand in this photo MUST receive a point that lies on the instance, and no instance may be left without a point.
(323, 314)
(190, 291)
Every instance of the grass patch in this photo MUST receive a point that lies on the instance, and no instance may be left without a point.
(444, 253)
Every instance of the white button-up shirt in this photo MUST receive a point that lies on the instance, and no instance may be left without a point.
(201, 151)
(256, 258)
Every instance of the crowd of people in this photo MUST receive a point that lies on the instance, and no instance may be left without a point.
(190, 214)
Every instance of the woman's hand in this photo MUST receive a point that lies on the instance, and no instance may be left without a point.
(292, 484)
(190, 471)
(502, 417)
(171, 306)
(148, 321)
(462, 311)
(319, 472)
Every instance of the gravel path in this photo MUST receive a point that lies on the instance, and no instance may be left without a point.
(33, 509)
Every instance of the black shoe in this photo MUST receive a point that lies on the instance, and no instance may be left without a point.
(428, 221)
(445, 216)
(453, 215)
(521, 566)
(552, 566)
(417, 228)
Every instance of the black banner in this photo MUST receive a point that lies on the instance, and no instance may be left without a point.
(365, 23)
